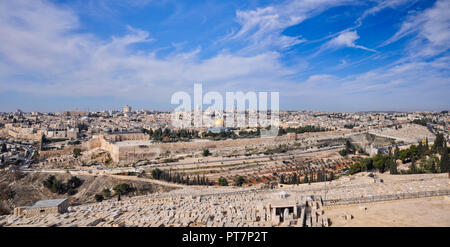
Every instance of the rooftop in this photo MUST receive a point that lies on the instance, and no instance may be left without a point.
(48, 203)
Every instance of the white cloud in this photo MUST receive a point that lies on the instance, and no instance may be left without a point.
(412, 85)
(42, 52)
(432, 29)
(344, 39)
(47, 55)
(263, 27)
(383, 5)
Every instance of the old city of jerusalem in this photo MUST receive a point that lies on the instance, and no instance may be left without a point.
(131, 168)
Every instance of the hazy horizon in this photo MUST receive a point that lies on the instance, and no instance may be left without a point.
(169, 110)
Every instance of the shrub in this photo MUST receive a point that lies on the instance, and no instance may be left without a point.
(49, 181)
(223, 182)
(106, 193)
(76, 152)
(354, 168)
(206, 152)
(239, 181)
(98, 197)
(57, 186)
(74, 182)
(72, 192)
(122, 189)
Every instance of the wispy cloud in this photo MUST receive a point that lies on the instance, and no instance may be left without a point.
(381, 5)
(263, 27)
(345, 39)
(431, 28)
(45, 55)
(44, 52)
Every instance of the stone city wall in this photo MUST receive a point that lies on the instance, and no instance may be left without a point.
(23, 133)
(131, 153)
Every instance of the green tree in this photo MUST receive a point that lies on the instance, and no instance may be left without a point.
(223, 182)
(206, 152)
(438, 143)
(393, 166)
(354, 168)
(49, 181)
(445, 162)
(99, 197)
(380, 162)
(396, 153)
(106, 193)
(433, 166)
(122, 189)
(367, 164)
(58, 187)
(74, 182)
(72, 192)
(239, 181)
(157, 173)
(420, 149)
(55, 185)
(305, 179)
(76, 152)
(413, 167)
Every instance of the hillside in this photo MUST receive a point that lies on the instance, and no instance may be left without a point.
(29, 188)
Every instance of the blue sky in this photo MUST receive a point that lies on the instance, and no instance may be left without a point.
(330, 55)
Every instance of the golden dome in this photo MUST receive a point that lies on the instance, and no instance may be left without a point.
(218, 123)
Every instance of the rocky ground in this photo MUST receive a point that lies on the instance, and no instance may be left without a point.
(432, 211)
(240, 206)
(28, 188)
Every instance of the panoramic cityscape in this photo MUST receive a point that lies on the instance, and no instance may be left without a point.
(214, 114)
(131, 168)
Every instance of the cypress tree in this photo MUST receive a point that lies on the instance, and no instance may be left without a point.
(420, 149)
(393, 166)
(438, 143)
(445, 162)
(433, 167)
(396, 153)
(413, 168)
(331, 176)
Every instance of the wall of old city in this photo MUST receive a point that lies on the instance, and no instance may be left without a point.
(23, 133)
(130, 153)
